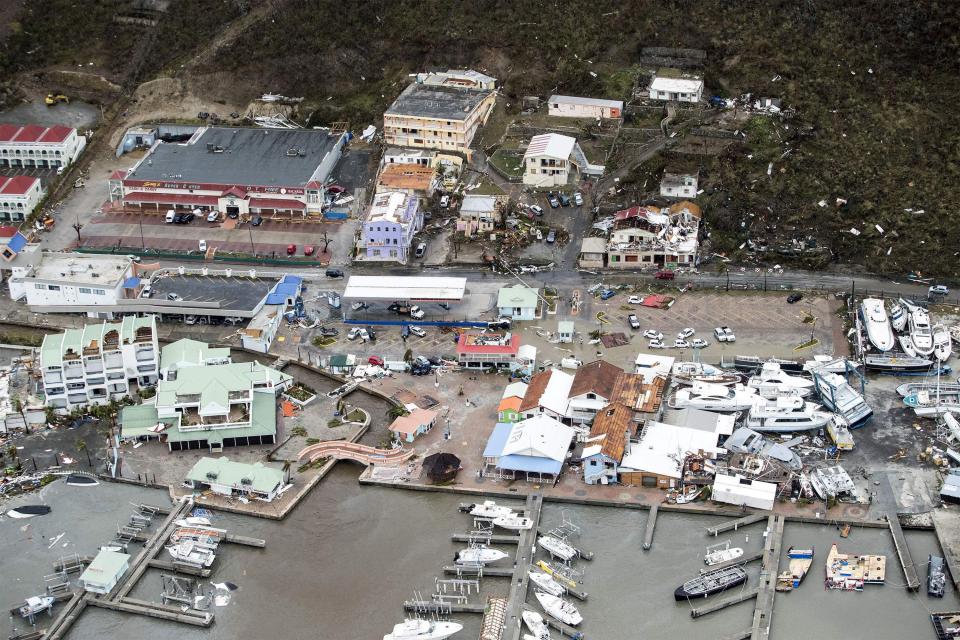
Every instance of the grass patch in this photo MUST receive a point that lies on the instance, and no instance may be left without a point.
(300, 392)
(487, 188)
(321, 342)
(510, 163)
(313, 441)
(806, 345)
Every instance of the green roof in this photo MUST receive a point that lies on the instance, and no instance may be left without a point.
(338, 360)
(190, 352)
(248, 477)
(105, 567)
(136, 421)
(56, 345)
(130, 324)
(517, 296)
(214, 383)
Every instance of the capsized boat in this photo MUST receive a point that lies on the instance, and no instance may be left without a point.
(28, 511)
(37, 604)
(942, 343)
(875, 320)
(838, 396)
(488, 509)
(536, 624)
(417, 629)
(721, 553)
(558, 608)
(513, 522)
(546, 583)
(479, 555)
(936, 577)
(710, 583)
(557, 547)
(800, 562)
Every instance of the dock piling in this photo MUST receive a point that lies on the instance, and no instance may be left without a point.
(651, 525)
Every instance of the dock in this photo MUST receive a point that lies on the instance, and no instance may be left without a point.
(67, 616)
(154, 610)
(520, 581)
(179, 567)
(151, 548)
(733, 525)
(494, 619)
(234, 539)
(744, 559)
(485, 572)
(743, 596)
(946, 524)
(739, 635)
(489, 539)
(651, 525)
(772, 547)
(903, 552)
(432, 606)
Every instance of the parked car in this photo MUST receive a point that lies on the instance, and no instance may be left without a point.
(178, 219)
(699, 343)
(552, 200)
(444, 201)
(664, 275)
(444, 306)
(421, 249)
(256, 221)
(171, 216)
(794, 297)
(417, 331)
(376, 361)
(578, 199)
(334, 273)
(656, 344)
(653, 334)
(329, 332)
(421, 361)
(634, 321)
(681, 344)
(173, 297)
(202, 245)
(147, 292)
(416, 313)
(190, 319)
(537, 210)
(551, 237)
(405, 331)
(564, 199)
(231, 320)
(720, 333)
(939, 290)
(421, 371)
(233, 215)
(291, 249)
(606, 294)
(213, 216)
(308, 250)
(371, 333)
(188, 218)
(686, 333)
(357, 332)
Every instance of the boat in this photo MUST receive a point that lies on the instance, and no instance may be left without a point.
(418, 629)
(928, 404)
(488, 509)
(546, 583)
(710, 583)
(897, 364)
(722, 552)
(34, 605)
(513, 522)
(28, 511)
(920, 331)
(838, 396)
(557, 574)
(750, 364)
(193, 521)
(690, 372)
(745, 440)
(686, 495)
(936, 577)
(191, 553)
(877, 324)
(839, 431)
(771, 373)
(784, 415)
(850, 572)
(942, 343)
(559, 608)
(800, 562)
(829, 482)
(206, 538)
(536, 624)
(557, 547)
(910, 388)
(80, 480)
(828, 364)
(906, 345)
(479, 555)
(714, 397)
(898, 317)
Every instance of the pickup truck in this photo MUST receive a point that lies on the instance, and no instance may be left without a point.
(414, 312)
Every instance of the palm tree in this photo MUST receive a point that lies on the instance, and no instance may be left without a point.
(81, 445)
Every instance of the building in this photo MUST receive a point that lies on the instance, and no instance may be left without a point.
(224, 477)
(518, 302)
(458, 78)
(478, 214)
(73, 282)
(604, 447)
(19, 195)
(565, 331)
(651, 366)
(488, 350)
(509, 408)
(534, 449)
(342, 364)
(103, 574)
(575, 107)
(388, 230)
(547, 160)
(97, 364)
(439, 111)
(744, 492)
(416, 423)
(33, 145)
(263, 327)
(205, 401)
(649, 237)
(547, 394)
(593, 253)
(656, 459)
(412, 289)
(236, 171)
(679, 185)
(412, 179)
(12, 244)
(675, 86)
(401, 155)
(594, 387)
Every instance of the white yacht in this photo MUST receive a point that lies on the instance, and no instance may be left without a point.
(557, 547)
(714, 397)
(875, 320)
(546, 582)
(898, 317)
(920, 332)
(479, 555)
(417, 629)
(828, 364)
(785, 415)
(559, 608)
(906, 345)
(191, 553)
(690, 372)
(536, 624)
(838, 396)
(771, 373)
(489, 509)
(942, 343)
(513, 522)
(722, 552)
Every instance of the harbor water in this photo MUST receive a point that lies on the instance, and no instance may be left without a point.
(342, 564)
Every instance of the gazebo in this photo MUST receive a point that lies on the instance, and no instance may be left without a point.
(441, 467)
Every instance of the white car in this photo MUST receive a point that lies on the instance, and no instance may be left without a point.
(653, 334)
(728, 332)
(656, 344)
(686, 333)
(681, 344)
(939, 290)
(721, 334)
(357, 332)
(444, 201)
(699, 343)
(202, 245)
(417, 331)
(578, 199)
(635, 300)
(416, 313)
(634, 322)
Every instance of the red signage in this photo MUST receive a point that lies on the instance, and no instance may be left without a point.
(155, 184)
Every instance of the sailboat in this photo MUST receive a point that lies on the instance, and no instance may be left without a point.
(417, 629)
(928, 403)
(942, 343)
(559, 608)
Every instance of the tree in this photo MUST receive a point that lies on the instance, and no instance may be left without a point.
(81, 445)
(18, 407)
(408, 355)
(326, 242)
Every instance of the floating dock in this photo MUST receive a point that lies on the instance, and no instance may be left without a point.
(67, 616)
(946, 524)
(733, 525)
(739, 635)
(234, 539)
(651, 525)
(903, 553)
(744, 559)
(763, 612)
(526, 551)
(743, 596)
(154, 610)
(490, 539)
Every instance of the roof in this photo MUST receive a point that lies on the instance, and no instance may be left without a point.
(287, 288)
(260, 157)
(593, 102)
(593, 245)
(487, 343)
(739, 485)
(435, 101)
(393, 206)
(411, 423)
(407, 175)
(15, 242)
(676, 85)
(539, 437)
(549, 389)
(718, 423)
(56, 345)
(565, 326)
(517, 295)
(239, 475)
(214, 384)
(692, 207)
(515, 390)
(277, 203)
(72, 268)
(239, 292)
(478, 204)
(414, 288)
(612, 425)
(497, 439)
(106, 566)
(599, 377)
(662, 448)
(510, 403)
(633, 391)
(17, 185)
(186, 352)
(170, 198)
(139, 420)
(651, 365)
(34, 133)
(552, 145)
(136, 421)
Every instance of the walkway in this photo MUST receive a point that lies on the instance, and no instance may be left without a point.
(341, 450)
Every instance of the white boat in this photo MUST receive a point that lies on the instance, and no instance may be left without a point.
(513, 522)
(191, 553)
(559, 608)
(721, 553)
(536, 624)
(771, 373)
(831, 481)
(193, 521)
(690, 372)
(828, 364)
(920, 332)
(479, 555)
(838, 396)
(489, 509)
(772, 390)
(417, 629)
(898, 317)
(877, 324)
(931, 403)
(714, 397)
(785, 415)
(910, 388)
(906, 345)
(942, 343)
(34, 605)
(547, 583)
(557, 547)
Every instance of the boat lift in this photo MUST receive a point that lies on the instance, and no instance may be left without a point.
(177, 589)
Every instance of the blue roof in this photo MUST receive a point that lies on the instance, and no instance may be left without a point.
(17, 242)
(131, 283)
(287, 288)
(291, 279)
(497, 440)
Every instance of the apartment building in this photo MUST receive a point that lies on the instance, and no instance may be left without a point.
(387, 233)
(71, 282)
(19, 196)
(97, 364)
(651, 237)
(33, 145)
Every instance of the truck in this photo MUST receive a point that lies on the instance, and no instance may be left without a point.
(396, 365)
(404, 309)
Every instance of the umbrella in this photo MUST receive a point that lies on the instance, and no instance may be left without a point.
(441, 467)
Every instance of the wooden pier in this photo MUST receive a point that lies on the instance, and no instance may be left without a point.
(67, 616)
(651, 525)
(526, 550)
(490, 539)
(763, 612)
(733, 525)
(154, 610)
(903, 552)
(494, 619)
(431, 606)
(151, 548)
(946, 524)
(486, 572)
(743, 596)
(231, 538)
(739, 635)
(744, 559)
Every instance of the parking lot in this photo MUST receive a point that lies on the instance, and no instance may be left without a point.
(46, 175)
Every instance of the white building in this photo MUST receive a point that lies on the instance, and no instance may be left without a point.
(387, 233)
(547, 394)
(18, 197)
(576, 107)
(61, 282)
(678, 185)
(551, 160)
(105, 571)
(671, 85)
(518, 302)
(401, 155)
(741, 491)
(478, 214)
(657, 459)
(32, 145)
(97, 364)
(653, 365)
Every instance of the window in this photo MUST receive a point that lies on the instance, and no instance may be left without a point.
(85, 290)
(40, 286)
(99, 292)
(53, 287)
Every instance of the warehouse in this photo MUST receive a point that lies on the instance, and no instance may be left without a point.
(236, 171)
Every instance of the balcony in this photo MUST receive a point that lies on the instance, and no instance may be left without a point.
(145, 354)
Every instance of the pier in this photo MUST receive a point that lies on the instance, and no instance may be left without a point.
(487, 538)
(743, 596)
(733, 525)
(651, 525)
(154, 610)
(494, 619)
(903, 552)
(739, 635)
(65, 619)
(151, 548)
(526, 550)
(484, 572)
(763, 612)
(946, 524)
(231, 538)
(744, 559)
(179, 567)
(440, 608)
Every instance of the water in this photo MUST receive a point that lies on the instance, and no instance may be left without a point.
(342, 564)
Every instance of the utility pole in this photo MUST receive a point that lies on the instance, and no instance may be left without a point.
(76, 227)
(253, 249)
(143, 243)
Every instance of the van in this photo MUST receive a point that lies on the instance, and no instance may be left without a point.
(421, 249)
(171, 214)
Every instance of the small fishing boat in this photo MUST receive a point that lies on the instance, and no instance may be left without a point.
(685, 495)
(828, 364)
(906, 344)
(722, 552)
(557, 547)
(79, 480)
(479, 555)
(28, 511)
(38, 604)
(191, 553)
(208, 538)
(487, 509)
(800, 562)
(936, 577)
(546, 583)
(556, 575)
(559, 608)
(710, 583)
(418, 629)
(690, 372)
(537, 625)
(513, 522)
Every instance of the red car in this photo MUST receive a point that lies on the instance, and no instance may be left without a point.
(291, 249)
(335, 188)
(664, 275)
(376, 361)
(308, 250)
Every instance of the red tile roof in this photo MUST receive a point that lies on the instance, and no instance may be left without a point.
(56, 134)
(34, 133)
(467, 344)
(30, 133)
(535, 389)
(6, 232)
(17, 185)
